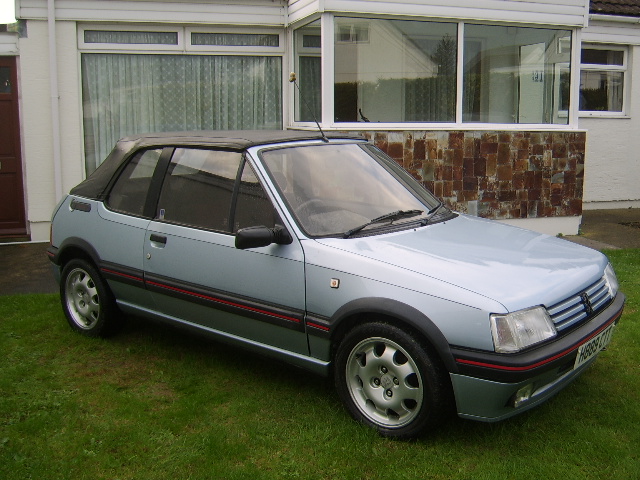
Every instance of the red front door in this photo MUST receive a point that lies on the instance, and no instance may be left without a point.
(12, 217)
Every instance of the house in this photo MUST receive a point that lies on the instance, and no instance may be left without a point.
(516, 111)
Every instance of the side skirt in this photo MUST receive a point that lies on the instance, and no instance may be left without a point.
(308, 363)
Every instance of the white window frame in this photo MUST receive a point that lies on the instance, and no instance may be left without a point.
(131, 47)
(237, 49)
(328, 122)
(184, 40)
(595, 67)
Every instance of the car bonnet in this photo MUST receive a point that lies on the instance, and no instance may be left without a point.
(513, 266)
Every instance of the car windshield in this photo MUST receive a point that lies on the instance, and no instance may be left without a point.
(335, 189)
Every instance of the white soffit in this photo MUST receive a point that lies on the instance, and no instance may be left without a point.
(239, 12)
(569, 13)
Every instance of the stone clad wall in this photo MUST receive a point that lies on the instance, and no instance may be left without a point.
(498, 175)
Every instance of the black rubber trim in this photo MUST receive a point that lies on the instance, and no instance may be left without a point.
(120, 273)
(224, 301)
(52, 253)
(318, 326)
(558, 354)
(56, 254)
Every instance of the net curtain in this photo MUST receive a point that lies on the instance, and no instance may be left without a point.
(125, 94)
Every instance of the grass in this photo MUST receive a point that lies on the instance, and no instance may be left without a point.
(154, 403)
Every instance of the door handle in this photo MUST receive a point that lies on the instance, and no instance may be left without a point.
(159, 240)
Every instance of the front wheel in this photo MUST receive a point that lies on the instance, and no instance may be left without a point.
(87, 301)
(389, 381)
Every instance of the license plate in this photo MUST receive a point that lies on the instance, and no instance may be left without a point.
(588, 350)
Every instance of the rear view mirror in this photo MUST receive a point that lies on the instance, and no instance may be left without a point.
(261, 236)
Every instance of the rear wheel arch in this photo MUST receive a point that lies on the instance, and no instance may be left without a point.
(73, 248)
(87, 300)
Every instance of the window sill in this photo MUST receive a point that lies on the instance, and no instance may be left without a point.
(373, 126)
(604, 115)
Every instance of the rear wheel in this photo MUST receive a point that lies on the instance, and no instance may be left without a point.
(389, 381)
(87, 301)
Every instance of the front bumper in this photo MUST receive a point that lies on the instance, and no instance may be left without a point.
(486, 383)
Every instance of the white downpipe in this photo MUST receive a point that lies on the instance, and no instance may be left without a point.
(55, 98)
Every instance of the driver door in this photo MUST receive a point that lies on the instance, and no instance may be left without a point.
(195, 273)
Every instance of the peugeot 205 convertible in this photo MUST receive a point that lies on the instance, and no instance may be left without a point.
(325, 253)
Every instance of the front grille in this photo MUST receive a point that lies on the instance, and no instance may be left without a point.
(580, 307)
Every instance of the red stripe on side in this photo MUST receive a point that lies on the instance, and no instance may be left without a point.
(319, 327)
(120, 274)
(225, 302)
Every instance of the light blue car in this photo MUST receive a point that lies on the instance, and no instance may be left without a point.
(321, 251)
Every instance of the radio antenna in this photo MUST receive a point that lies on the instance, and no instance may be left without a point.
(293, 79)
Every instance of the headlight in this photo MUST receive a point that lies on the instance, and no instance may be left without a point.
(611, 279)
(514, 331)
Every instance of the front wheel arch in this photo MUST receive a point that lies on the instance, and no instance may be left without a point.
(366, 310)
(388, 379)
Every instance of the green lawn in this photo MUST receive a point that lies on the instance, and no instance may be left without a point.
(154, 403)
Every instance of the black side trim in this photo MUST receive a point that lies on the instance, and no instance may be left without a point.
(558, 354)
(122, 274)
(272, 314)
(318, 326)
(52, 253)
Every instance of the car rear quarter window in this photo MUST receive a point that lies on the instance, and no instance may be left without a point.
(129, 192)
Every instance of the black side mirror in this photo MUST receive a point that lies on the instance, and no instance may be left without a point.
(254, 237)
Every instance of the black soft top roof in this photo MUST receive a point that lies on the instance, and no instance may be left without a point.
(96, 183)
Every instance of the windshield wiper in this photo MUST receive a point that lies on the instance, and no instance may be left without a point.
(390, 217)
(431, 213)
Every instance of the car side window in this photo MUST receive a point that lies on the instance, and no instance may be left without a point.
(198, 188)
(253, 207)
(129, 192)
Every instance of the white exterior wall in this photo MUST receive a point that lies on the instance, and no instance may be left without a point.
(8, 43)
(37, 126)
(612, 167)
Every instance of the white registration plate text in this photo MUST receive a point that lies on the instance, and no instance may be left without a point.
(590, 349)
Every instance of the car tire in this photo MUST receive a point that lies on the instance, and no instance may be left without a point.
(388, 380)
(87, 301)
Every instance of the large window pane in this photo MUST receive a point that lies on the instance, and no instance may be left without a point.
(601, 91)
(602, 79)
(513, 74)
(395, 71)
(128, 94)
